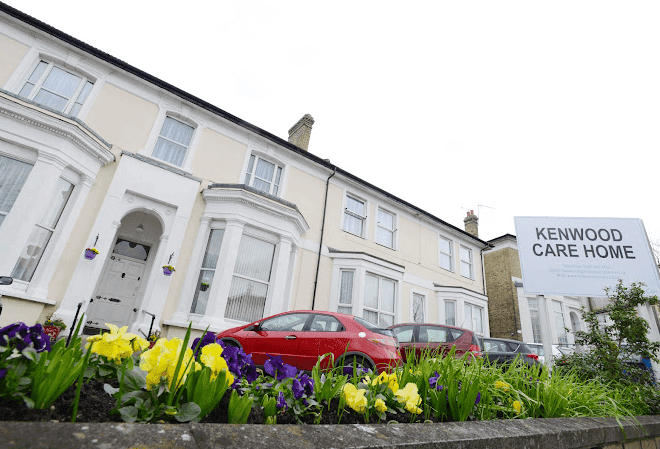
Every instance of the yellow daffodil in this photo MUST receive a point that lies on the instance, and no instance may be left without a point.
(116, 344)
(380, 405)
(517, 406)
(503, 385)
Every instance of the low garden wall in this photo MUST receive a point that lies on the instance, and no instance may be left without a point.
(561, 433)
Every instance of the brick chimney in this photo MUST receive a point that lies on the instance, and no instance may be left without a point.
(472, 224)
(300, 132)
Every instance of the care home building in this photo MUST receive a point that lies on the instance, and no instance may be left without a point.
(97, 153)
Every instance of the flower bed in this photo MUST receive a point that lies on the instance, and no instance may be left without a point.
(116, 377)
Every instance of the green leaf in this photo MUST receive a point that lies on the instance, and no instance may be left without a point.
(129, 413)
(187, 412)
(110, 389)
(30, 353)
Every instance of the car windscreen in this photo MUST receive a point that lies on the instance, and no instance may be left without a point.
(373, 328)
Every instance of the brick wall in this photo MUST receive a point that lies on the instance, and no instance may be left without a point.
(503, 313)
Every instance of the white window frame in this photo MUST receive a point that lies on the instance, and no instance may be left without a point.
(37, 85)
(562, 335)
(469, 264)
(450, 254)
(423, 296)
(201, 268)
(483, 318)
(379, 309)
(186, 154)
(249, 176)
(4, 214)
(342, 305)
(453, 303)
(346, 213)
(535, 319)
(393, 231)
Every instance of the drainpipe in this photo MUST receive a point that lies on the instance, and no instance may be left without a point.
(318, 262)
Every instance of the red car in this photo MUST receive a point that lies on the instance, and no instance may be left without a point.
(301, 336)
(420, 338)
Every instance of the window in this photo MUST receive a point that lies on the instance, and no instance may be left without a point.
(445, 253)
(263, 175)
(434, 334)
(346, 292)
(249, 286)
(450, 313)
(36, 245)
(466, 262)
(326, 323)
(474, 318)
(355, 215)
(379, 297)
(558, 309)
(173, 141)
(385, 228)
(56, 88)
(536, 323)
(206, 273)
(418, 308)
(13, 174)
(290, 322)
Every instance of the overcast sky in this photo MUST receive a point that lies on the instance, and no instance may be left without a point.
(525, 108)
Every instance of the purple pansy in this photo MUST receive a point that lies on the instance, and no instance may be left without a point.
(433, 382)
(207, 339)
(281, 402)
(3, 372)
(476, 402)
(276, 367)
(348, 370)
(26, 335)
(302, 385)
(239, 363)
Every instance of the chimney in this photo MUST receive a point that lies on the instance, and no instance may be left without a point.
(300, 132)
(472, 224)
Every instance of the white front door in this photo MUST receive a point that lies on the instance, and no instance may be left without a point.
(117, 293)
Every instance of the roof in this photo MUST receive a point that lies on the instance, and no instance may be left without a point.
(25, 18)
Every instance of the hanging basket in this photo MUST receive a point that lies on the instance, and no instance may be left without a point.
(52, 332)
(204, 287)
(91, 253)
(168, 270)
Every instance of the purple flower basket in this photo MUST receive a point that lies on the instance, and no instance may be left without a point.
(89, 254)
(167, 271)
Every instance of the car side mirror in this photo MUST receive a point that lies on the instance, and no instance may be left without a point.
(6, 280)
(254, 328)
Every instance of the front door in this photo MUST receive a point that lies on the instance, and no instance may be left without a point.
(117, 294)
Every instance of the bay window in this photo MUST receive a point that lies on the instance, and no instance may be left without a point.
(379, 300)
(263, 175)
(346, 292)
(13, 174)
(42, 232)
(56, 88)
(249, 286)
(207, 271)
(474, 318)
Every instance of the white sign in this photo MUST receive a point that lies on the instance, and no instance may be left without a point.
(582, 256)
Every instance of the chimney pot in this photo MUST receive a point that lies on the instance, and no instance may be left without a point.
(300, 133)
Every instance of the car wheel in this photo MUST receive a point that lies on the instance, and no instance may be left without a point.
(231, 343)
(360, 362)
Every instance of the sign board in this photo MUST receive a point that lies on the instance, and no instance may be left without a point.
(582, 256)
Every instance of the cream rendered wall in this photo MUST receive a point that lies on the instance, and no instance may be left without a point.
(308, 193)
(122, 118)
(12, 53)
(218, 158)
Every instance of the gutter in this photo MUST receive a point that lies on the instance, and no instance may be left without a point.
(318, 260)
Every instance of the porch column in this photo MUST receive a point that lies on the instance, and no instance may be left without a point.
(190, 283)
(276, 302)
(214, 317)
(157, 285)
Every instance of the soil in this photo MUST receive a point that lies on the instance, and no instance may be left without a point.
(95, 406)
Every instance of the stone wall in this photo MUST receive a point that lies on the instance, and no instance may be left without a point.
(560, 433)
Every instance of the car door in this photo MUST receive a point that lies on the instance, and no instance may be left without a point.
(326, 335)
(278, 336)
(406, 337)
(432, 341)
(497, 350)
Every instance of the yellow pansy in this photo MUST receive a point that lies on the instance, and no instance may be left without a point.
(161, 360)
(517, 406)
(503, 385)
(410, 396)
(380, 405)
(212, 357)
(355, 397)
(116, 344)
(390, 379)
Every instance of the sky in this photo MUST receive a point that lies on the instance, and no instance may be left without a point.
(507, 108)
